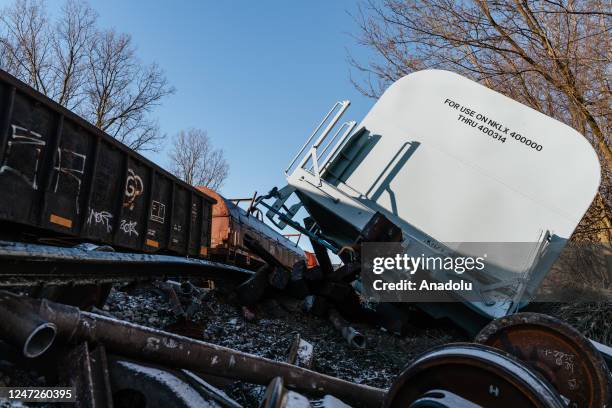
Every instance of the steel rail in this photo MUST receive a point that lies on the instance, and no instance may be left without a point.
(23, 264)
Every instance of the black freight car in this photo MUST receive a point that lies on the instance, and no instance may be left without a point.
(62, 175)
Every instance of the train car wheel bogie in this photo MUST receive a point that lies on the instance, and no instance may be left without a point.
(465, 375)
(557, 351)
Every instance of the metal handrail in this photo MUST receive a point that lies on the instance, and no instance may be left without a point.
(349, 128)
(341, 107)
(349, 125)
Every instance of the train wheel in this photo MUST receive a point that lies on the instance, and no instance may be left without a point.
(557, 351)
(465, 375)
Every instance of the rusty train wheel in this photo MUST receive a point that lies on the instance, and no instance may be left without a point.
(465, 375)
(557, 351)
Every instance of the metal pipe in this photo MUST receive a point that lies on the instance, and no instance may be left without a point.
(23, 328)
(172, 350)
(352, 336)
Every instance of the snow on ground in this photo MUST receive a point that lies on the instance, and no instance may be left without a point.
(221, 321)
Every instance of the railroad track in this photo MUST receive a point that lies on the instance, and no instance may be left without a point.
(32, 265)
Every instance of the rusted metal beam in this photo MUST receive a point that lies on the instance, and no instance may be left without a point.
(176, 351)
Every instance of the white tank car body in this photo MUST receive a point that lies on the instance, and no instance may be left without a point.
(449, 160)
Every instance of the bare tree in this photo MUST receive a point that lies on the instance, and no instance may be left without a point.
(26, 43)
(94, 72)
(553, 55)
(74, 32)
(196, 161)
(120, 92)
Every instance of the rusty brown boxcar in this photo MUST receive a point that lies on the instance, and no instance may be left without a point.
(62, 176)
(230, 225)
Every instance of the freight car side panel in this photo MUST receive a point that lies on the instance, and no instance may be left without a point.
(180, 220)
(101, 219)
(205, 235)
(207, 224)
(26, 129)
(61, 174)
(132, 221)
(159, 213)
(195, 225)
(65, 190)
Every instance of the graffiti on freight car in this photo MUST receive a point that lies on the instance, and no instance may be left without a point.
(128, 227)
(134, 187)
(24, 147)
(158, 212)
(100, 217)
(72, 165)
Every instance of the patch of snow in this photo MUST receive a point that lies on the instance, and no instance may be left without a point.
(295, 400)
(329, 401)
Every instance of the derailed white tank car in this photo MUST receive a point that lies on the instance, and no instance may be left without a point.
(451, 163)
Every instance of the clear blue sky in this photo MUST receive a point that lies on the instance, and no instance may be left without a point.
(256, 75)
